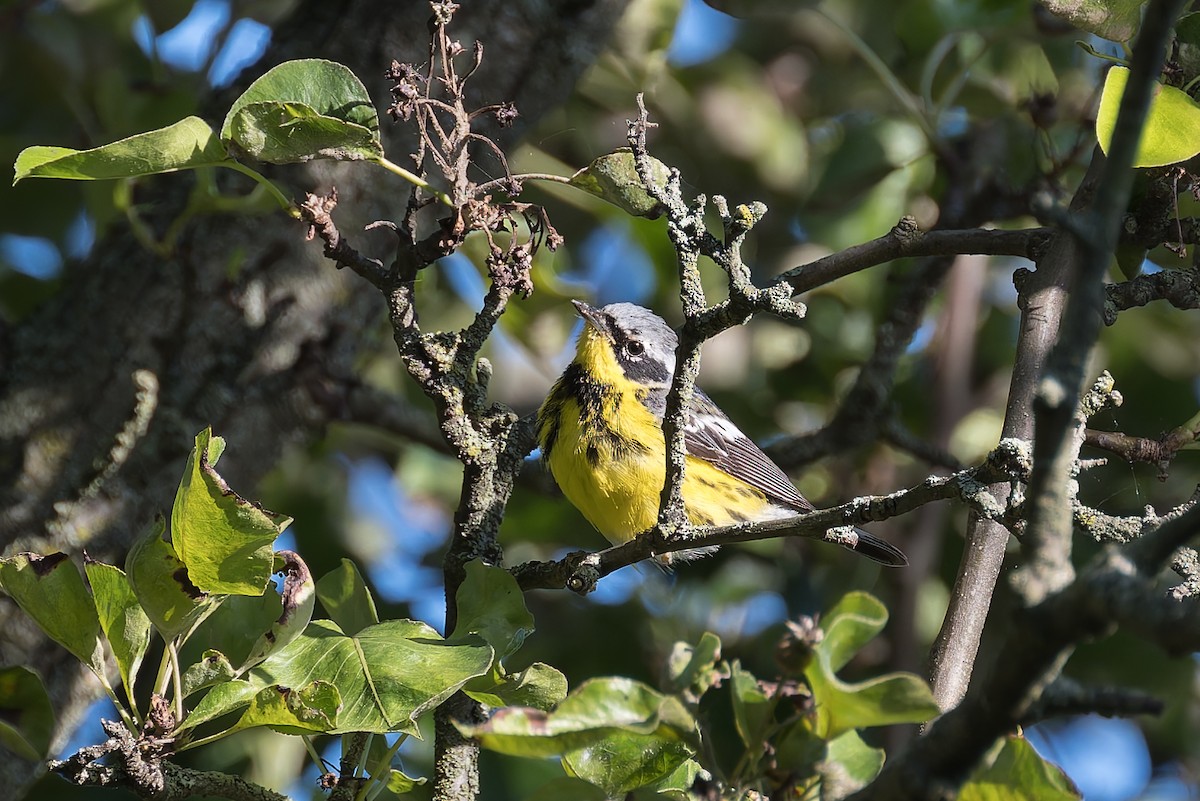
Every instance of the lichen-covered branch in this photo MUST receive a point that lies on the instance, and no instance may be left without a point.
(487, 438)
(139, 764)
(1180, 288)
(580, 571)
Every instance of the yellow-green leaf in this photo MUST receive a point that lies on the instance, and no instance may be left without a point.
(187, 144)
(1172, 130)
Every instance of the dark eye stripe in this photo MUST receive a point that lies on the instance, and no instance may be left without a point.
(644, 371)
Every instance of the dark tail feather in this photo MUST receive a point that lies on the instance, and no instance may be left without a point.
(879, 550)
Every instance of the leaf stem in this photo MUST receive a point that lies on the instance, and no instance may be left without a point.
(176, 681)
(415, 180)
(380, 772)
(263, 181)
(528, 176)
(132, 723)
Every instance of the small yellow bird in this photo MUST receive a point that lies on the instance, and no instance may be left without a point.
(600, 432)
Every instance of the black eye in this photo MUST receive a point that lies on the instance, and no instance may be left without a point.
(634, 348)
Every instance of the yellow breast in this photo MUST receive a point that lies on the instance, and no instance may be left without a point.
(607, 454)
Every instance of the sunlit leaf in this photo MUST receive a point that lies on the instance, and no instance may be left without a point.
(309, 709)
(160, 581)
(614, 178)
(849, 765)
(289, 133)
(124, 622)
(223, 539)
(187, 144)
(297, 600)
(692, 669)
(387, 675)
(614, 732)
(50, 590)
(301, 110)
(539, 686)
(841, 706)
(212, 669)
(400, 782)
(1172, 130)
(1019, 774)
(346, 598)
(491, 605)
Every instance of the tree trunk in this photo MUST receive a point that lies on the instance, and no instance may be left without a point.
(103, 389)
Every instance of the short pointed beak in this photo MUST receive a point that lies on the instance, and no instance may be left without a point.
(591, 315)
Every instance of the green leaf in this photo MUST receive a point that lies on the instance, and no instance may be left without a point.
(614, 178)
(693, 669)
(849, 765)
(623, 762)
(305, 109)
(842, 706)
(1172, 130)
(213, 668)
(491, 605)
(617, 733)
(122, 618)
(388, 675)
(238, 626)
(26, 715)
(592, 711)
(288, 133)
(296, 603)
(1187, 29)
(347, 599)
(400, 782)
(539, 686)
(50, 590)
(223, 699)
(187, 144)
(1019, 774)
(753, 709)
(1130, 259)
(172, 602)
(1115, 20)
(310, 709)
(853, 622)
(679, 782)
(224, 540)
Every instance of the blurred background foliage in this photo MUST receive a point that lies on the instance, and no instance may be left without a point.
(825, 112)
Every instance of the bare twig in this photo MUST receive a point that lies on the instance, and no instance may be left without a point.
(906, 239)
(1065, 696)
(1158, 452)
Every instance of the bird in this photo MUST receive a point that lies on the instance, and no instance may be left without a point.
(600, 433)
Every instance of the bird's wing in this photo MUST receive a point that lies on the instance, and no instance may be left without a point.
(710, 435)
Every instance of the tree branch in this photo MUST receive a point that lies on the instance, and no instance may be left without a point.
(906, 239)
(1180, 288)
(580, 571)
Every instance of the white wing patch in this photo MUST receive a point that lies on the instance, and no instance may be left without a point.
(713, 437)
